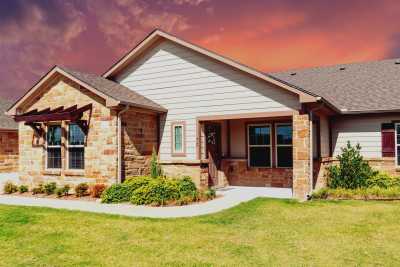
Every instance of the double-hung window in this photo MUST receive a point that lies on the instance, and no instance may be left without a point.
(53, 146)
(284, 145)
(178, 138)
(259, 145)
(76, 147)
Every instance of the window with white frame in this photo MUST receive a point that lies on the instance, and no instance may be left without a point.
(76, 147)
(178, 139)
(284, 145)
(397, 144)
(53, 147)
(259, 145)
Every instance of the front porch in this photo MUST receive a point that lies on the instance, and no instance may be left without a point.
(268, 150)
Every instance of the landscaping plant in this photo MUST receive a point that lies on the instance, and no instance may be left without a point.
(10, 188)
(63, 191)
(97, 189)
(38, 189)
(50, 188)
(81, 189)
(352, 172)
(23, 189)
(155, 167)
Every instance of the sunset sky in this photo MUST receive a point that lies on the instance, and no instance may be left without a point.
(268, 35)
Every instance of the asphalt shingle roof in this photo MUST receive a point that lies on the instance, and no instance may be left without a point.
(114, 90)
(355, 87)
(6, 122)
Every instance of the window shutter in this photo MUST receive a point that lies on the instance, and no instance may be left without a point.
(388, 140)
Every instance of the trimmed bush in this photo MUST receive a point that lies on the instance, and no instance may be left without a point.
(156, 192)
(97, 189)
(81, 189)
(10, 188)
(23, 189)
(63, 191)
(38, 189)
(187, 188)
(353, 171)
(122, 192)
(50, 188)
(383, 180)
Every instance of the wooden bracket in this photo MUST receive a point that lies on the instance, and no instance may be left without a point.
(37, 128)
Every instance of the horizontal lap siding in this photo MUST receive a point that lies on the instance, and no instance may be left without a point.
(365, 130)
(191, 85)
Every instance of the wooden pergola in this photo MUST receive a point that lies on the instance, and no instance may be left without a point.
(35, 118)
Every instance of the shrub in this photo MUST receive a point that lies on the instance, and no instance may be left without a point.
(187, 188)
(81, 189)
(352, 172)
(49, 188)
(207, 194)
(63, 191)
(38, 190)
(136, 182)
(383, 180)
(358, 193)
(157, 192)
(97, 190)
(10, 188)
(155, 168)
(23, 189)
(117, 193)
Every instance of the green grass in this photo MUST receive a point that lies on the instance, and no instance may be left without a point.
(258, 233)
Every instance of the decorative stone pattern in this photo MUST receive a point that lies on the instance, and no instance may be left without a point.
(386, 165)
(8, 151)
(100, 150)
(237, 173)
(139, 140)
(301, 156)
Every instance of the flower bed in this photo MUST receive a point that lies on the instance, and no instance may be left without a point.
(159, 191)
(372, 193)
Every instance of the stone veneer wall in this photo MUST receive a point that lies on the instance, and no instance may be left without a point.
(197, 172)
(387, 165)
(139, 140)
(8, 151)
(237, 173)
(100, 151)
(301, 156)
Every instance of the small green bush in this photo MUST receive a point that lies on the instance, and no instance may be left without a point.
(156, 192)
(383, 180)
(81, 189)
(23, 189)
(50, 188)
(187, 188)
(353, 171)
(62, 191)
(38, 189)
(117, 193)
(210, 194)
(10, 188)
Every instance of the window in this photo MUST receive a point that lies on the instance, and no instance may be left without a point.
(284, 149)
(398, 144)
(178, 139)
(76, 147)
(259, 148)
(53, 140)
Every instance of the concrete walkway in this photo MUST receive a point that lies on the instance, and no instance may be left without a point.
(229, 197)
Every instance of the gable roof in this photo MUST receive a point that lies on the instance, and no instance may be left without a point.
(352, 88)
(6, 122)
(112, 92)
(158, 35)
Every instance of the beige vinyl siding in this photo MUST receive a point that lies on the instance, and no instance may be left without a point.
(364, 130)
(190, 85)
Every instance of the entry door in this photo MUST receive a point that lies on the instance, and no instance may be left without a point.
(213, 148)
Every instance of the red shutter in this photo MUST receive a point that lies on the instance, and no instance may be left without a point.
(388, 140)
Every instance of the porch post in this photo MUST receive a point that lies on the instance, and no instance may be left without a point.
(301, 156)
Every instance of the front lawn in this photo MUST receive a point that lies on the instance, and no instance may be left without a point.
(261, 232)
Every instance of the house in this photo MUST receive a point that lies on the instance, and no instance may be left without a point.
(209, 117)
(8, 140)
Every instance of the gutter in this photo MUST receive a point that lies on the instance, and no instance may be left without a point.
(119, 142)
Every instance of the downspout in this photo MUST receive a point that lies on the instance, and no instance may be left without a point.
(119, 143)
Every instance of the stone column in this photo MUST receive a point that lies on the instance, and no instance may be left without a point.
(301, 156)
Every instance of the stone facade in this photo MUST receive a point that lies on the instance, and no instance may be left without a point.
(139, 138)
(198, 174)
(100, 148)
(8, 151)
(301, 156)
(238, 173)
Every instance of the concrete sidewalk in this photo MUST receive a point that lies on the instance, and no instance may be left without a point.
(229, 197)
